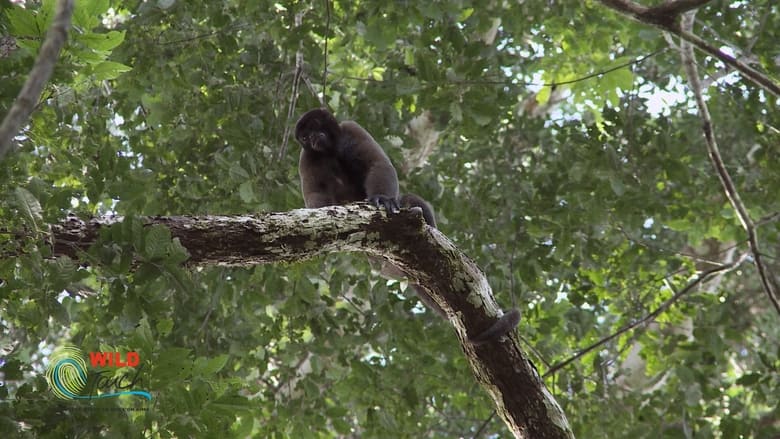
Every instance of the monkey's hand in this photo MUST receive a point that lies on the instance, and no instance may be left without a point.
(389, 203)
(503, 325)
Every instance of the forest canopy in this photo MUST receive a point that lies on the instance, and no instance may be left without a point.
(611, 167)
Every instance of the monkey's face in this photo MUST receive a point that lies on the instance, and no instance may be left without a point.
(318, 130)
(315, 140)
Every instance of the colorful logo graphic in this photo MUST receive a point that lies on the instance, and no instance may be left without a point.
(68, 376)
(67, 373)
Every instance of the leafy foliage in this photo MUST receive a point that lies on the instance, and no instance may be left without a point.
(587, 204)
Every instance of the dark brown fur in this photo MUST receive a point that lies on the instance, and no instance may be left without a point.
(341, 163)
(411, 201)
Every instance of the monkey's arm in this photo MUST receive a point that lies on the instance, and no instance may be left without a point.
(382, 185)
(364, 153)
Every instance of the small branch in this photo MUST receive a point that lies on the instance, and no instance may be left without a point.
(666, 16)
(224, 30)
(744, 69)
(293, 101)
(603, 72)
(325, 55)
(44, 65)
(294, 93)
(507, 82)
(484, 425)
(772, 217)
(647, 318)
(689, 62)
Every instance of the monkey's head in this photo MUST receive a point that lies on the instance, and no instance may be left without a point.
(318, 130)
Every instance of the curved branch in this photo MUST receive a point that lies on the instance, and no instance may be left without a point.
(689, 62)
(451, 278)
(666, 16)
(744, 69)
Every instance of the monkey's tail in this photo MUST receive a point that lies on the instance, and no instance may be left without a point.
(502, 326)
(412, 200)
(505, 324)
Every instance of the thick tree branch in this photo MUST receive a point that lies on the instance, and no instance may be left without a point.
(666, 16)
(44, 65)
(689, 62)
(676, 7)
(451, 278)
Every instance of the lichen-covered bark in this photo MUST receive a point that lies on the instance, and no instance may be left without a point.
(452, 279)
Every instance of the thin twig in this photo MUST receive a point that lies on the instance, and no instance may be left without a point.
(609, 70)
(772, 217)
(319, 96)
(647, 318)
(294, 93)
(325, 57)
(44, 65)
(484, 425)
(688, 60)
(223, 30)
(511, 82)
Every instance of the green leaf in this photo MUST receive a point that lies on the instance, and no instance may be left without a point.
(164, 327)
(62, 271)
(30, 208)
(87, 13)
(237, 172)
(617, 186)
(748, 379)
(24, 23)
(210, 366)
(177, 253)
(379, 33)
(156, 240)
(247, 192)
(622, 79)
(109, 70)
(171, 364)
(102, 42)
